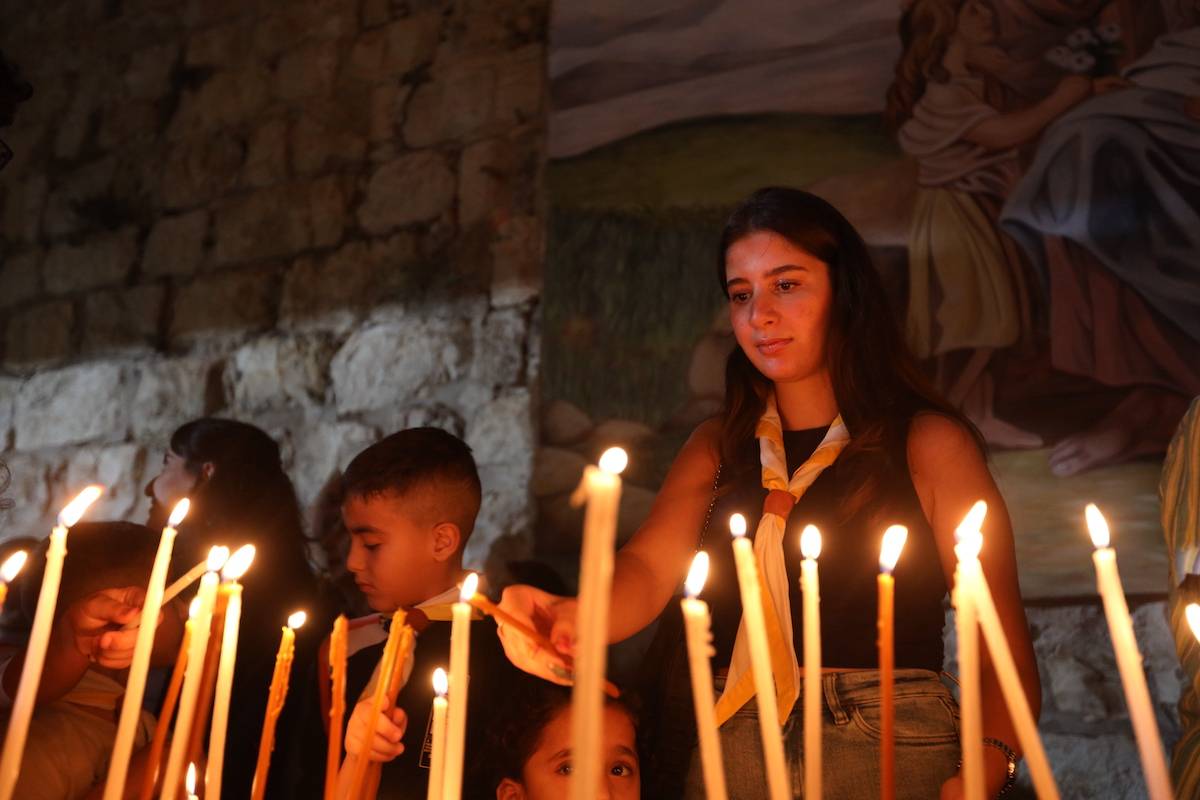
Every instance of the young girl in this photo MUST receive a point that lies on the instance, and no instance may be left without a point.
(821, 380)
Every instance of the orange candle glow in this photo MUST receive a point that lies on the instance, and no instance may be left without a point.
(154, 755)
(276, 697)
(337, 706)
(12, 565)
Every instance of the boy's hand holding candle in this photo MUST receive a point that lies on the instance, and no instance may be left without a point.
(385, 742)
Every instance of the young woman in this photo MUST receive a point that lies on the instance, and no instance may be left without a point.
(821, 380)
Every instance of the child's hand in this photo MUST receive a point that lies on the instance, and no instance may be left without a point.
(95, 625)
(385, 741)
(551, 616)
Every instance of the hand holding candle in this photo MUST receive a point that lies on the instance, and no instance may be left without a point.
(893, 543)
(697, 624)
(39, 638)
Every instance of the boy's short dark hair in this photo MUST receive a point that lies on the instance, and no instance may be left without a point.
(420, 459)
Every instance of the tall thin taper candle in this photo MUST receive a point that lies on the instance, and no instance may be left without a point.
(239, 562)
(154, 756)
(760, 661)
(437, 751)
(39, 638)
(698, 626)
(139, 667)
(601, 488)
(1129, 659)
(967, 628)
(456, 714)
(12, 565)
(358, 766)
(810, 548)
(337, 705)
(173, 774)
(893, 542)
(276, 697)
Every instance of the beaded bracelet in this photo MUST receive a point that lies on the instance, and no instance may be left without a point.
(1010, 779)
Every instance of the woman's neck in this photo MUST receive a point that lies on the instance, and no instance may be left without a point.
(806, 403)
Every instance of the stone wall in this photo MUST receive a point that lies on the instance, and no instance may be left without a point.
(321, 216)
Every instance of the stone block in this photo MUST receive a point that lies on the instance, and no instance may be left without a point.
(267, 154)
(8, 399)
(322, 450)
(564, 423)
(224, 303)
(337, 288)
(391, 363)
(126, 124)
(87, 185)
(320, 144)
(618, 433)
(123, 319)
(301, 21)
(278, 372)
(219, 45)
(386, 107)
(502, 431)
(413, 188)
(119, 469)
(328, 199)
(517, 257)
(1095, 764)
(83, 403)
(269, 223)
(393, 50)
(200, 169)
(228, 99)
(21, 213)
(103, 260)
(308, 70)
(30, 492)
(175, 245)
(19, 277)
(168, 394)
(150, 70)
(485, 182)
(506, 511)
(556, 471)
(501, 348)
(39, 334)
(521, 87)
(456, 105)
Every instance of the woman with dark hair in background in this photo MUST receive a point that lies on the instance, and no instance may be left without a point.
(827, 420)
(232, 474)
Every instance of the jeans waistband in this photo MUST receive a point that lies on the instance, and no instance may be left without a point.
(844, 690)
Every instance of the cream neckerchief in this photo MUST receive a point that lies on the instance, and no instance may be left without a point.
(782, 494)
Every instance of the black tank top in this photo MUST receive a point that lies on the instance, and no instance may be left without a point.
(849, 561)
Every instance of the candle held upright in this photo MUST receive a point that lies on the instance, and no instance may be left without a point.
(889, 553)
(698, 627)
(456, 713)
(276, 697)
(966, 621)
(236, 567)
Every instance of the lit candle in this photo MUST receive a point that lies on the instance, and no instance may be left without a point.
(337, 706)
(12, 565)
(966, 578)
(395, 683)
(1129, 660)
(456, 714)
(697, 624)
(1192, 614)
(184, 581)
(238, 563)
(276, 697)
(358, 765)
(154, 755)
(760, 660)
(39, 638)
(139, 667)
(601, 489)
(202, 622)
(437, 748)
(810, 548)
(1007, 676)
(190, 782)
(893, 543)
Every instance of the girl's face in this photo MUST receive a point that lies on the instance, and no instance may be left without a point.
(780, 301)
(547, 773)
(976, 23)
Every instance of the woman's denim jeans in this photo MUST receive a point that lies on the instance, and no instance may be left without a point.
(927, 750)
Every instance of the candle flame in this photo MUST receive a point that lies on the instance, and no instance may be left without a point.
(441, 684)
(1097, 526)
(810, 542)
(76, 508)
(297, 619)
(893, 543)
(1192, 612)
(969, 544)
(470, 585)
(194, 608)
(12, 565)
(737, 525)
(217, 557)
(614, 460)
(973, 521)
(238, 563)
(697, 574)
(190, 780)
(179, 512)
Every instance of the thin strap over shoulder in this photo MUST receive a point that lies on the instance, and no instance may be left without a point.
(712, 502)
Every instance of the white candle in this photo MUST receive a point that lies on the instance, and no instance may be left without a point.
(697, 625)
(601, 488)
(810, 548)
(39, 638)
(190, 782)
(217, 557)
(460, 659)
(437, 748)
(760, 660)
(889, 553)
(12, 565)
(966, 624)
(238, 563)
(135, 686)
(1129, 660)
(1192, 614)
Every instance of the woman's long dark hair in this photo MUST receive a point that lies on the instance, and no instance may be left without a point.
(876, 381)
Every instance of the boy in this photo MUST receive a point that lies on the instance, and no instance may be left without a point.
(409, 503)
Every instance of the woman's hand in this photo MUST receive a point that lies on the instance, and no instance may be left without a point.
(551, 616)
(384, 743)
